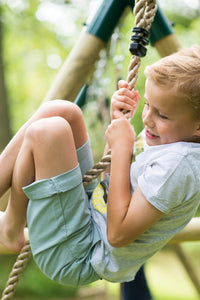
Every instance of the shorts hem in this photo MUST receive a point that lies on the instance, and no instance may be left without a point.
(47, 187)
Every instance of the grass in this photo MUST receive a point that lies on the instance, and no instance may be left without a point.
(33, 283)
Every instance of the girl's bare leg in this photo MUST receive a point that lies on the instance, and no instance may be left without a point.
(67, 110)
(48, 149)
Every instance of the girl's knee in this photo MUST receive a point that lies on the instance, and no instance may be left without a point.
(65, 109)
(71, 113)
(47, 131)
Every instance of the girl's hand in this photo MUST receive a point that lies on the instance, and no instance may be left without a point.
(124, 100)
(120, 135)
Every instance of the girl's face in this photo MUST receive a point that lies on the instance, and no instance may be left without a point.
(167, 118)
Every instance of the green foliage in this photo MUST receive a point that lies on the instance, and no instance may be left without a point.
(30, 38)
(33, 283)
(28, 44)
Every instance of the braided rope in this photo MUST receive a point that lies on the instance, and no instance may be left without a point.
(98, 168)
(144, 12)
(16, 272)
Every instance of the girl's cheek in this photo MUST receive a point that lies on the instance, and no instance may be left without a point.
(143, 113)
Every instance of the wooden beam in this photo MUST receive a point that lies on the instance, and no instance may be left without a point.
(190, 233)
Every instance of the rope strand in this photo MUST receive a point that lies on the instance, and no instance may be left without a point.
(16, 272)
(143, 9)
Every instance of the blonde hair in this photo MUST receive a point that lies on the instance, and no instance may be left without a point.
(180, 73)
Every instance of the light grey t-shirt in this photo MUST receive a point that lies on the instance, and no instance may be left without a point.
(169, 177)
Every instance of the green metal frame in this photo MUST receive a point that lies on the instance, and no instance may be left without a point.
(109, 13)
(105, 20)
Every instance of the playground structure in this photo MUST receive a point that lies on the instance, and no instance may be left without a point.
(79, 64)
(77, 70)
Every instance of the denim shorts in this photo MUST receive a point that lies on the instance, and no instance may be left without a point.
(61, 230)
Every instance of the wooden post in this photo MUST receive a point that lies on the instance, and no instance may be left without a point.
(80, 62)
(167, 45)
(187, 265)
(162, 35)
(76, 69)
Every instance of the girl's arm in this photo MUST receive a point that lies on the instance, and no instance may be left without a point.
(127, 216)
(122, 100)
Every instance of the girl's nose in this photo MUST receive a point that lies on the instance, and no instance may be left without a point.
(147, 118)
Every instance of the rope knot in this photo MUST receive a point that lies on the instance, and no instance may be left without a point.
(140, 40)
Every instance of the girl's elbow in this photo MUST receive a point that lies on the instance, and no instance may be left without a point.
(116, 240)
(114, 243)
(119, 238)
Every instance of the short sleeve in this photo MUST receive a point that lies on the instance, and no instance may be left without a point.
(167, 181)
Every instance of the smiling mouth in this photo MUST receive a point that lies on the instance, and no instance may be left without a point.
(150, 135)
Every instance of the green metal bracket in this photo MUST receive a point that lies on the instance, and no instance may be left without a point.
(81, 97)
(105, 20)
(109, 13)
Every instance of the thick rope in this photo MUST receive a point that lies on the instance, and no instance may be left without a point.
(144, 12)
(16, 272)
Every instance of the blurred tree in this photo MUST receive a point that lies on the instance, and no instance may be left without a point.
(181, 12)
(5, 132)
(38, 37)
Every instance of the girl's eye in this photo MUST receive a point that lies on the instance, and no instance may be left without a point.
(162, 117)
(147, 104)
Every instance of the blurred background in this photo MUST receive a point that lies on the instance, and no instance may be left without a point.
(35, 39)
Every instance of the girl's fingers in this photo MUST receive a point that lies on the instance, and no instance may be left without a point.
(127, 105)
(130, 99)
(124, 101)
(126, 92)
(137, 96)
(123, 84)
